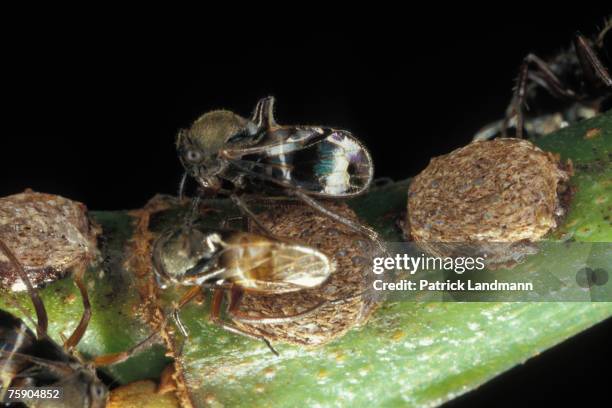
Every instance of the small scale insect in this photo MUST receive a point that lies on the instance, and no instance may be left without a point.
(260, 157)
(53, 237)
(28, 360)
(577, 79)
(235, 262)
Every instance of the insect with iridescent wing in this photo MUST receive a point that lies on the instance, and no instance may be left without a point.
(28, 360)
(258, 156)
(234, 263)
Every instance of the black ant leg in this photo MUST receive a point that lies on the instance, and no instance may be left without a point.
(542, 76)
(215, 316)
(78, 333)
(39, 306)
(594, 70)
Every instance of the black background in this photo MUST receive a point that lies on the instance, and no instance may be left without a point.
(92, 107)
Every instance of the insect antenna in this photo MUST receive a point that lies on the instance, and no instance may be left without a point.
(41, 312)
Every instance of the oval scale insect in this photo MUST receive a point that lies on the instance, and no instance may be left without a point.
(234, 263)
(259, 156)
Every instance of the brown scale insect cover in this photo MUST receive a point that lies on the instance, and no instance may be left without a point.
(350, 253)
(49, 234)
(496, 191)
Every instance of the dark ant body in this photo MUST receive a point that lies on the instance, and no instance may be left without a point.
(577, 79)
(28, 360)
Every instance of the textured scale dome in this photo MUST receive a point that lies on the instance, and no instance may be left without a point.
(502, 190)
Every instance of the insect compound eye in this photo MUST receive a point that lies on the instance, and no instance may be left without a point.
(193, 156)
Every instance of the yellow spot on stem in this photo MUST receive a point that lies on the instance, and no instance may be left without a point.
(398, 335)
(592, 133)
(259, 388)
(269, 372)
(340, 357)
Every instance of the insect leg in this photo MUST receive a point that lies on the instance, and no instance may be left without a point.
(355, 226)
(594, 70)
(227, 223)
(186, 298)
(39, 306)
(236, 314)
(116, 358)
(603, 32)
(78, 333)
(215, 317)
(192, 215)
(542, 76)
(249, 213)
(182, 184)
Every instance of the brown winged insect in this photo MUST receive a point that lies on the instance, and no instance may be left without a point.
(235, 263)
(257, 156)
(577, 79)
(28, 360)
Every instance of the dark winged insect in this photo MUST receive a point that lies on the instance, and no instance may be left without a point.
(28, 360)
(232, 263)
(577, 79)
(259, 157)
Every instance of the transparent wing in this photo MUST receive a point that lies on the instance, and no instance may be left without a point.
(257, 263)
(321, 161)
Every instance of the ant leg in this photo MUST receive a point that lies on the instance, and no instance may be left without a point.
(116, 358)
(594, 70)
(78, 333)
(215, 317)
(542, 76)
(186, 298)
(41, 313)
